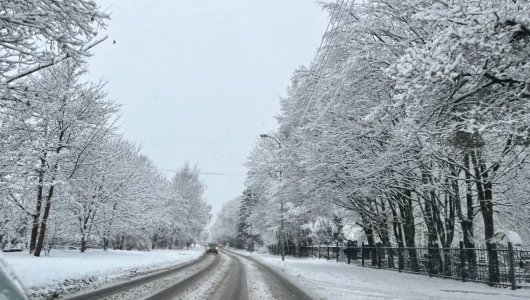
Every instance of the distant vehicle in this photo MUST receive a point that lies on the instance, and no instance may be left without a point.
(10, 286)
(212, 248)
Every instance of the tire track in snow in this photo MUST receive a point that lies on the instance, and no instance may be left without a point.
(277, 286)
(142, 286)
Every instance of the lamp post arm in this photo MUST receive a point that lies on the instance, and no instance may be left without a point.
(273, 138)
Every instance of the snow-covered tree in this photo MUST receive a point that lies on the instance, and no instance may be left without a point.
(224, 228)
(39, 34)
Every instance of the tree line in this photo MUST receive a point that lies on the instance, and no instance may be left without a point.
(412, 122)
(68, 178)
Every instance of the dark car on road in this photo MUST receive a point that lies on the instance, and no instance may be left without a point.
(212, 248)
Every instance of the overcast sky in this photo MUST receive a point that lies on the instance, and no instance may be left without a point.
(199, 80)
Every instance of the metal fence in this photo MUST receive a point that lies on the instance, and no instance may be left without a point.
(496, 267)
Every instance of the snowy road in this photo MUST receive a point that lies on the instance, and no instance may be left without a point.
(146, 286)
(225, 276)
(240, 275)
(265, 283)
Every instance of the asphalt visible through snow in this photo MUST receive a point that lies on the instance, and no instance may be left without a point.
(227, 275)
(281, 288)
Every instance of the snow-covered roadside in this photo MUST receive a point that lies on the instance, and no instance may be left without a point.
(66, 271)
(331, 280)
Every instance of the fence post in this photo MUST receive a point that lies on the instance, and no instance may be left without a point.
(337, 251)
(429, 259)
(462, 261)
(355, 249)
(319, 246)
(390, 257)
(378, 255)
(362, 254)
(328, 252)
(400, 259)
(512, 265)
(348, 251)
(299, 250)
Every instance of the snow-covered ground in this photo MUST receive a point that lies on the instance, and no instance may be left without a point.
(331, 280)
(66, 271)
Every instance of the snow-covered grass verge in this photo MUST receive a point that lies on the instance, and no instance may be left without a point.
(331, 280)
(68, 271)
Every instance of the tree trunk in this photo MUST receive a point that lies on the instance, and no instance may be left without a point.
(106, 243)
(83, 244)
(42, 232)
(409, 228)
(468, 221)
(485, 195)
(396, 222)
(428, 215)
(381, 227)
(369, 232)
(38, 207)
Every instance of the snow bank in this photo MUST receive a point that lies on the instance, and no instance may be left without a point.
(331, 280)
(66, 271)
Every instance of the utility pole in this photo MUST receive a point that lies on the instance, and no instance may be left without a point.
(282, 228)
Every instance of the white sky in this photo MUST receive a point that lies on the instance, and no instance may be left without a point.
(199, 80)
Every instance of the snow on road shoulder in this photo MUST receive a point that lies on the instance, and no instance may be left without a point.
(67, 271)
(332, 280)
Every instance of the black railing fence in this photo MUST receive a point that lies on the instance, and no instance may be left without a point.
(498, 267)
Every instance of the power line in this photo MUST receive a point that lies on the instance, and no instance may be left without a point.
(205, 173)
(336, 21)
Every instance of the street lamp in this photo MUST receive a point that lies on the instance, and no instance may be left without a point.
(263, 135)
(282, 228)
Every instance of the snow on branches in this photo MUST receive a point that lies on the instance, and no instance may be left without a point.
(38, 34)
(414, 115)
